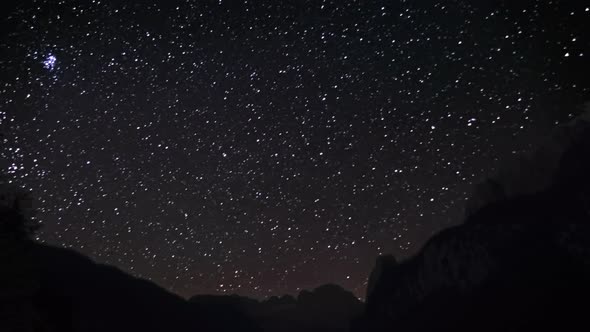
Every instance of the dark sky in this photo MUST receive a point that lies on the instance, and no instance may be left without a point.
(262, 147)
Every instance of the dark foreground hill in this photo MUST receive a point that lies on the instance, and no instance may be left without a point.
(44, 288)
(54, 289)
(520, 261)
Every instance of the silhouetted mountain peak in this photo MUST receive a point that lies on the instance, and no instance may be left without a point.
(328, 298)
(281, 300)
(520, 261)
(536, 171)
(383, 270)
(327, 307)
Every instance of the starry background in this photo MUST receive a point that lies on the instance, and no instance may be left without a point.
(263, 147)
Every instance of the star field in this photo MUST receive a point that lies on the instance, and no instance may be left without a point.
(263, 147)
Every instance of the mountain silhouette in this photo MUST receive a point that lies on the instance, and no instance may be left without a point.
(520, 261)
(46, 288)
(56, 289)
(326, 308)
(66, 291)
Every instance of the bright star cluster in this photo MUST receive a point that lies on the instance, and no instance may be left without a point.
(263, 147)
(49, 62)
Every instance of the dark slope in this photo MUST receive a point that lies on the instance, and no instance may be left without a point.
(66, 291)
(44, 288)
(520, 262)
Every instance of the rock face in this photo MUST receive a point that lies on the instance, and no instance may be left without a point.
(531, 173)
(519, 262)
(385, 268)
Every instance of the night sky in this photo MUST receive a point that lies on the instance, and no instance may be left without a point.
(263, 147)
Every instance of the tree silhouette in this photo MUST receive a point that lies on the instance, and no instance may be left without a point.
(17, 216)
